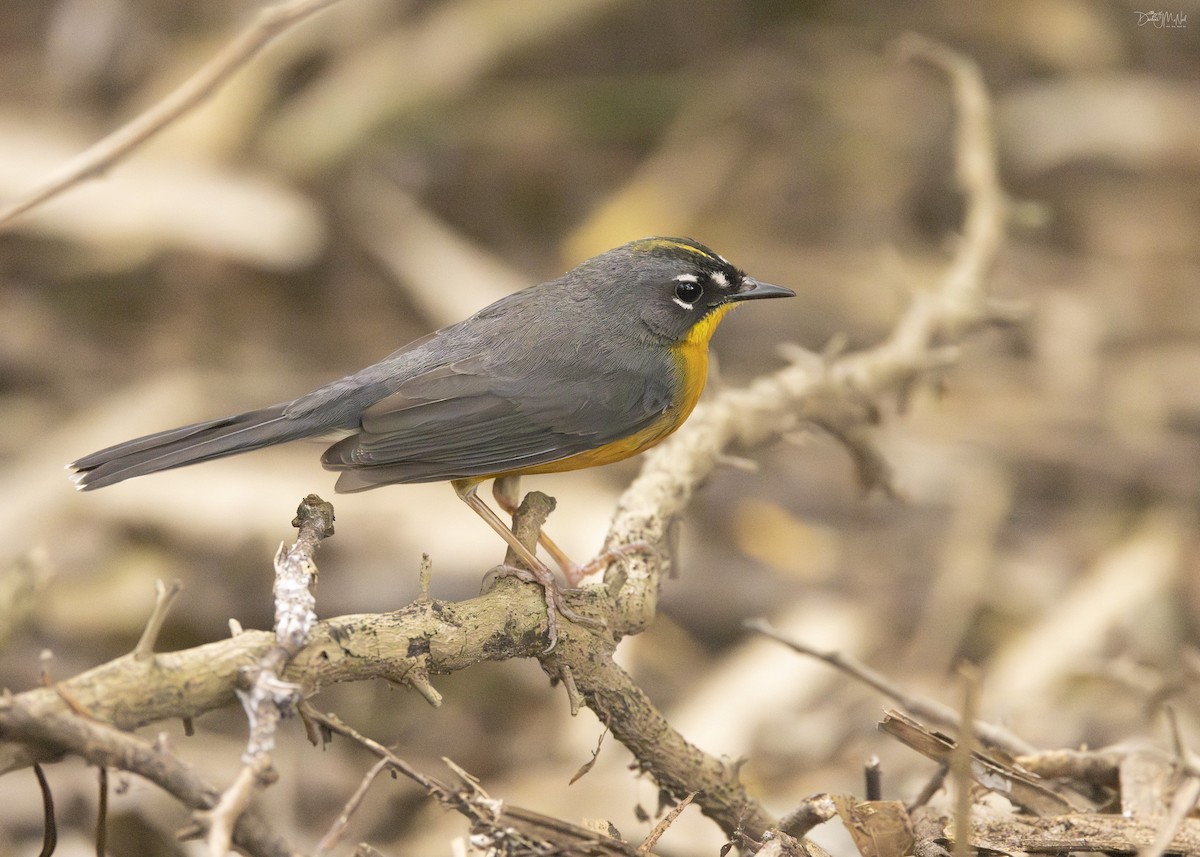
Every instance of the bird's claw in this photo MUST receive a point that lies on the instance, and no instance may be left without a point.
(621, 553)
(556, 604)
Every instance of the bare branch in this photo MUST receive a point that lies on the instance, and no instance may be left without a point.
(923, 707)
(1184, 802)
(667, 820)
(334, 836)
(270, 23)
(63, 731)
(270, 697)
(961, 760)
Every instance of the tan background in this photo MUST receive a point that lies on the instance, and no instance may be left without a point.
(391, 167)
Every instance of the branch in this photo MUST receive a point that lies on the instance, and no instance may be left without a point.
(50, 733)
(270, 22)
(920, 706)
(269, 698)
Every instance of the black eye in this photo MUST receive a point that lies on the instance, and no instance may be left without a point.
(687, 292)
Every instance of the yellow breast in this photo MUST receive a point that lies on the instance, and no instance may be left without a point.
(692, 360)
(692, 354)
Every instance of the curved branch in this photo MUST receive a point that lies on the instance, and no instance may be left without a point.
(271, 22)
(54, 732)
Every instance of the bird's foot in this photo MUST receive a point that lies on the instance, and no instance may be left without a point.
(556, 604)
(575, 573)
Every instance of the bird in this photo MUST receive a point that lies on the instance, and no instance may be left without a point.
(590, 368)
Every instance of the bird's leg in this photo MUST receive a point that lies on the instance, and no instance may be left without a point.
(537, 570)
(505, 490)
(601, 561)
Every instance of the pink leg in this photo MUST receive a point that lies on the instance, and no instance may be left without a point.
(506, 491)
(537, 570)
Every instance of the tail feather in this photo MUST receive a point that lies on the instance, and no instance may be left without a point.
(188, 445)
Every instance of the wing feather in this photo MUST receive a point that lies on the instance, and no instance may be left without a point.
(465, 419)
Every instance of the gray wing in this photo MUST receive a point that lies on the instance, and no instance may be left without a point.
(479, 416)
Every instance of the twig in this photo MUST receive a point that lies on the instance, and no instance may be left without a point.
(590, 763)
(1018, 787)
(813, 810)
(493, 821)
(220, 820)
(922, 707)
(49, 824)
(960, 763)
(930, 788)
(164, 599)
(664, 824)
(270, 697)
(63, 731)
(270, 22)
(873, 776)
(330, 839)
(574, 700)
(102, 813)
(1187, 793)
(1182, 805)
(335, 725)
(425, 576)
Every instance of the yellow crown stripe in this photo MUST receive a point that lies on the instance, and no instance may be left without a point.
(668, 244)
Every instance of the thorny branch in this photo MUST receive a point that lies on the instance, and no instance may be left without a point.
(269, 697)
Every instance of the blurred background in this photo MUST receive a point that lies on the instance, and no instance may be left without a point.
(390, 167)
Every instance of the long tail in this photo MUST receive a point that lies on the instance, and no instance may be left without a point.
(188, 445)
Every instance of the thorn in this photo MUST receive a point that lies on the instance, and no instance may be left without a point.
(46, 661)
(425, 576)
(164, 598)
(420, 683)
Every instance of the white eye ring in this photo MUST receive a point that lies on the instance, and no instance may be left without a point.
(687, 284)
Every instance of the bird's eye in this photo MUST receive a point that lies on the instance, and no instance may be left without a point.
(688, 292)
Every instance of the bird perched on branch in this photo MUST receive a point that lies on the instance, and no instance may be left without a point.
(588, 369)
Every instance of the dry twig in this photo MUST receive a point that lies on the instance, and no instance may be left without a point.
(164, 598)
(338, 828)
(961, 763)
(923, 707)
(270, 697)
(102, 155)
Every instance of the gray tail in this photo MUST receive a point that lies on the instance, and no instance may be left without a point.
(188, 445)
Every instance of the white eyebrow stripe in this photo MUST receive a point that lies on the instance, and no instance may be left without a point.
(719, 278)
(687, 278)
(683, 304)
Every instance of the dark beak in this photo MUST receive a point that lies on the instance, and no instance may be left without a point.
(751, 289)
